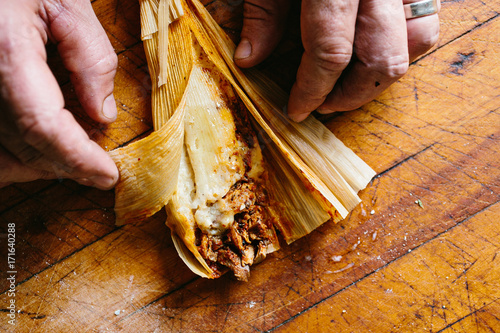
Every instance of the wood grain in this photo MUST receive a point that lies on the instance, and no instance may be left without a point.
(419, 254)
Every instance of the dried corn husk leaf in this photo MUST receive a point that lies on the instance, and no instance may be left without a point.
(176, 10)
(149, 19)
(302, 213)
(163, 23)
(144, 166)
(149, 167)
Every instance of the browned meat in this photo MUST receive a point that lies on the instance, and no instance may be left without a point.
(246, 240)
(241, 195)
(248, 255)
(230, 259)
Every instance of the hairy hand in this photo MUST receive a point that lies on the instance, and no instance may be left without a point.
(39, 138)
(354, 49)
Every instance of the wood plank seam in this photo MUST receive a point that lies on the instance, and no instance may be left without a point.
(456, 38)
(406, 159)
(381, 267)
(129, 48)
(133, 139)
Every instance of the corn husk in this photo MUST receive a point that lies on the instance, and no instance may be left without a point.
(312, 176)
(145, 164)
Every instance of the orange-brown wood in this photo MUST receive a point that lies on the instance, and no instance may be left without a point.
(419, 254)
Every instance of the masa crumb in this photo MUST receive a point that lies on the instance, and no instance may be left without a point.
(336, 258)
(419, 202)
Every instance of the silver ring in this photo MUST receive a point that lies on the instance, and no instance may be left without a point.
(421, 8)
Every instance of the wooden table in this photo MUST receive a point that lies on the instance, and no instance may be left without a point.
(421, 251)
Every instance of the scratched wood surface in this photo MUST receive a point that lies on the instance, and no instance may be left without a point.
(419, 254)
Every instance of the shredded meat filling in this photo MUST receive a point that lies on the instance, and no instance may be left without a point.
(245, 242)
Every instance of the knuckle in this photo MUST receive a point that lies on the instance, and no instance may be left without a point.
(35, 130)
(393, 68)
(30, 156)
(74, 164)
(112, 60)
(397, 70)
(52, 10)
(29, 127)
(333, 56)
(105, 65)
(311, 94)
(7, 45)
(426, 41)
(42, 134)
(42, 137)
(94, 59)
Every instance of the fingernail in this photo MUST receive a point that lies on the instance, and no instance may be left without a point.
(244, 49)
(323, 111)
(109, 107)
(102, 182)
(298, 117)
(85, 182)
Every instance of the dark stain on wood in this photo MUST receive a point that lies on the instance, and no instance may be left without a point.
(463, 60)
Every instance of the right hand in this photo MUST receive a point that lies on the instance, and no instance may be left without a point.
(39, 138)
(353, 49)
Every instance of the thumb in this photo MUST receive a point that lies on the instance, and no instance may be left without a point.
(87, 53)
(263, 25)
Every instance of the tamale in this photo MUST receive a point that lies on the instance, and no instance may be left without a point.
(220, 204)
(225, 196)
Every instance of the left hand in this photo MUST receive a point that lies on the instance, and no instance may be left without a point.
(39, 137)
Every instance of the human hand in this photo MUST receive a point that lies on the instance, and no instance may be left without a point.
(39, 138)
(353, 50)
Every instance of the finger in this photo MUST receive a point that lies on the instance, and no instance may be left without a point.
(33, 106)
(263, 26)
(327, 35)
(14, 171)
(381, 49)
(423, 32)
(32, 163)
(87, 53)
